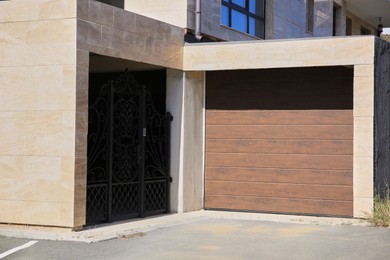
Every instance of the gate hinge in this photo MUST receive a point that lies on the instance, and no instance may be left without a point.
(170, 179)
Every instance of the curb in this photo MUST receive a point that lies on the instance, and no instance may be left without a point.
(137, 227)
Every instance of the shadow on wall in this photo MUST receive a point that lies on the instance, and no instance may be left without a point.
(278, 89)
(117, 3)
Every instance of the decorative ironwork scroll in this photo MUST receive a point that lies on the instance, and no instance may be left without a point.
(156, 158)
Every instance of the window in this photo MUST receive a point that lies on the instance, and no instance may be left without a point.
(244, 15)
(310, 15)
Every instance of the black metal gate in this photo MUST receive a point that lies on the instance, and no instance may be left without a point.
(128, 153)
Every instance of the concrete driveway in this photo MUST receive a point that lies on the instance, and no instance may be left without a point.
(221, 238)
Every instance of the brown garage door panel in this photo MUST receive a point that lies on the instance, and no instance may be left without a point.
(303, 206)
(280, 190)
(280, 132)
(280, 140)
(328, 162)
(273, 146)
(277, 117)
(274, 175)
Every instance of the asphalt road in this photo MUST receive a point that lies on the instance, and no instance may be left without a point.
(221, 239)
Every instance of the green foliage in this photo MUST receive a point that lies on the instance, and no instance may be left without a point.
(381, 215)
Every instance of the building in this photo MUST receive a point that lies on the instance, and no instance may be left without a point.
(283, 125)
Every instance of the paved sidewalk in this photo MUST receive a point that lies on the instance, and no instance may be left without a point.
(223, 236)
(125, 228)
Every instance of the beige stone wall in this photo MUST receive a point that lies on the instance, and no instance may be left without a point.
(113, 32)
(363, 152)
(173, 12)
(44, 68)
(37, 111)
(193, 140)
(185, 100)
(279, 53)
(175, 103)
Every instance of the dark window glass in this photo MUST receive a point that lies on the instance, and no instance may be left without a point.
(244, 15)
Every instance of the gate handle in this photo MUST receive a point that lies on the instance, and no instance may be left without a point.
(139, 155)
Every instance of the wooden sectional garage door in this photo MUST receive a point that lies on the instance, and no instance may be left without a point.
(280, 141)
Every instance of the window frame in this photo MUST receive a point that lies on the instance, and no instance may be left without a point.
(310, 16)
(336, 26)
(245, 11)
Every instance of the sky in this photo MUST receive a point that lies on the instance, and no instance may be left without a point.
(386, 30)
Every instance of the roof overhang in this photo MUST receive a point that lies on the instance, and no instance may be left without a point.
(371, 10)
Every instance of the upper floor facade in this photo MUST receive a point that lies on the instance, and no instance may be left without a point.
(232, 20)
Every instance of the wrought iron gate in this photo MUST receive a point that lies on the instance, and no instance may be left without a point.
(128, 153)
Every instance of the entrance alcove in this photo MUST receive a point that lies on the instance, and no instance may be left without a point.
(128, 173)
